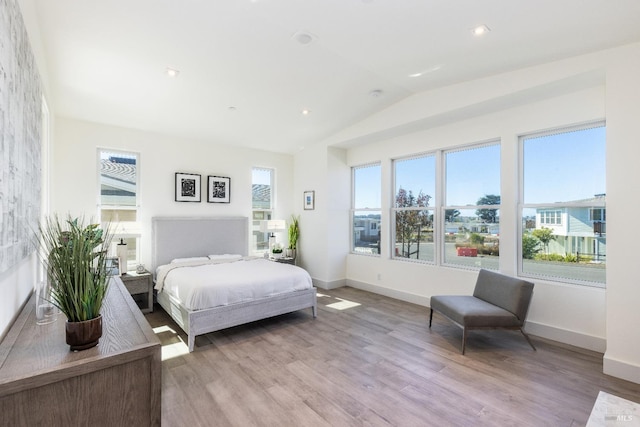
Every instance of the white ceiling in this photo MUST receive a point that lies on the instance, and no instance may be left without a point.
(107, 60)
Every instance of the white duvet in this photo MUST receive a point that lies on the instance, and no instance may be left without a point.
(200, 285)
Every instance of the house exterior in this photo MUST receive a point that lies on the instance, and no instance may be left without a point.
(579, 230)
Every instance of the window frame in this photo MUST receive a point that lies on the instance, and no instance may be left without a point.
(355, 209)
(267, 214)
(433, 208)
(560, 206)
(135, 231)
(445, 206)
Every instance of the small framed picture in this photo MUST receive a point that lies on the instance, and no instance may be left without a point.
(187, 187)
(113, 266)
(309, 200)
(219, 189)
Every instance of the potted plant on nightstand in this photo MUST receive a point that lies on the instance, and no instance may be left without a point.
(75, 258)
(276, 251)
(294, 233)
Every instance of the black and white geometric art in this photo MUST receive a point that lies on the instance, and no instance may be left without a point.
(20, 139)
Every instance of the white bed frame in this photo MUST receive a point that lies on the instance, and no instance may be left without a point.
(182, 237)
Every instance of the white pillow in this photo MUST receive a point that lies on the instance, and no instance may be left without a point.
(225, 256)
(192, 259)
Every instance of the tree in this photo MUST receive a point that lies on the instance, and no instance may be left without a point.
(409, 223)
(451, 214)
(545, 235)
(488, 215)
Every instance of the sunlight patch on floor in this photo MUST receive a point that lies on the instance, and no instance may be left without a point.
(161, 329)
(343, 304)
(175, 348)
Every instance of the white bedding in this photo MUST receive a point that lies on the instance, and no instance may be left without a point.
(201, 285)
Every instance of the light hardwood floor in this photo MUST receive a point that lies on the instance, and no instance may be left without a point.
(372, 360)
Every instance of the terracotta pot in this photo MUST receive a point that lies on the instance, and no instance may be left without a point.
(84, 335)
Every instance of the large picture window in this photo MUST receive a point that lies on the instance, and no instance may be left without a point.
(366, 210)
(563, 199)
(413, 211)
(472, 207)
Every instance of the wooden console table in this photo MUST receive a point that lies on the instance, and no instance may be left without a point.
(116, 383)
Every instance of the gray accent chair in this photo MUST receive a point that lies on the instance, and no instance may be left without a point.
(498, 302)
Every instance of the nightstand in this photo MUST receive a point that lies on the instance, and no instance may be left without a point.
(140, 286)
(284, 260)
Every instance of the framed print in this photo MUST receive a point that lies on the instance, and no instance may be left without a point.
(309, 200)
(219, 189)
(187, 187)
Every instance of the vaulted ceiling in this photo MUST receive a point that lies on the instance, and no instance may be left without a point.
(247, 69)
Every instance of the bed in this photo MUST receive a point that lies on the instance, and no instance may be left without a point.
(190, 237)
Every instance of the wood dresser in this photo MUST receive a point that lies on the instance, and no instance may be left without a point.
(116, 383)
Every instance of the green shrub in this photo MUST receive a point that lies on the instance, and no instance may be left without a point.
(530, 246)
(476, 239)
(549, 257)
(570, 258)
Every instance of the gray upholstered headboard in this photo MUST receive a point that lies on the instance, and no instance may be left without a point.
(183, 237)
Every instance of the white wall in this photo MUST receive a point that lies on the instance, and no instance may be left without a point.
(324, 231)
(75, 180)
(571, 91)
(17, 283)
(622, 357)
(310, 175)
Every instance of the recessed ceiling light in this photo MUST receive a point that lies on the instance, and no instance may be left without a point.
(306, 112)
(172, 72)
(304, 37)
(480, 30)
(232, 108)
(376, 93)
(427, 71)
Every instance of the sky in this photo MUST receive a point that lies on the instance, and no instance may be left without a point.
(557, 168)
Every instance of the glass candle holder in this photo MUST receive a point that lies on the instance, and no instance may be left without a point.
(45, 311)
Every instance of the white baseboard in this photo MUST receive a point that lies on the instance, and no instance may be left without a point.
(538, 329)
(391, 293)
(328, 285)
(620, 369)
(565, 336)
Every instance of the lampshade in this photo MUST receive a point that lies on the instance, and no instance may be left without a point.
(273, 225)
(126, 229)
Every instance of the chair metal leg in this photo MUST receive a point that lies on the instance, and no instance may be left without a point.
(430, 317)
(464, 339)
(528, 340)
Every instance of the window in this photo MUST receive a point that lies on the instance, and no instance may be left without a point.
(366, 211)
(262, 206)
(563, 205)
(413, 211)
(118, 178)
(472, 207)
(598, 214)
(551, 217)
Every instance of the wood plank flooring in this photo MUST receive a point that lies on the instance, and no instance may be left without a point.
(372, 360)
